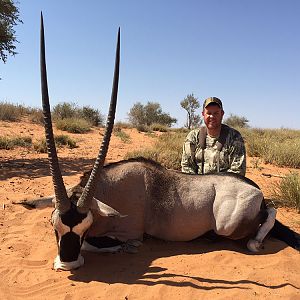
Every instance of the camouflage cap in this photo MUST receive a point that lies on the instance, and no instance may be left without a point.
(212, 100)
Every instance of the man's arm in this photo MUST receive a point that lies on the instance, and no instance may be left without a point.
(188, 163)
(237, 155)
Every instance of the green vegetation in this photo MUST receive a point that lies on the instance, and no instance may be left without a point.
(236, 121)
(122, 125)
(145, 115)
(66, 110)
(143, 128)
(190, 103)
(159, 127)
(12, 112)
(60, 141)
(167, 150)
(73, 125)
(10, 143)
(125, 138)
(280, 147)
(9, 14)
(287, 191)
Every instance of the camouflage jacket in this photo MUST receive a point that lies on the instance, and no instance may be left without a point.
(231, 158)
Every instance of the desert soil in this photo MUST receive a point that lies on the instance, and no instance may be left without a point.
(200, 269)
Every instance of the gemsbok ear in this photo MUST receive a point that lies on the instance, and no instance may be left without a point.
(105, 210)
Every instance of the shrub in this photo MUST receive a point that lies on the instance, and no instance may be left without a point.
(67, 110)
(10, 143)
(159, 127)
(11, 112)
(287, 191)
(236, 121)
(40, 146)
(148, 114)
(73, 125)
(60, 141)
(123, 125)
(122, 135)
(65, 140)
(92, 115)
(36, 116)
(64, 110)
(143, 128)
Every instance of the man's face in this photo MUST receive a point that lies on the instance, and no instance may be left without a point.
(213, 116)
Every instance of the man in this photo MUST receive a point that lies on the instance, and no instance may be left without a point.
(214, 147)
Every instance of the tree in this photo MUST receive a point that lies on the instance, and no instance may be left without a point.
(9, 17)
(149, 114)
(236, 121)
(190, 104)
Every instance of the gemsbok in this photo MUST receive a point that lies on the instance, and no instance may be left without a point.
(113, 206)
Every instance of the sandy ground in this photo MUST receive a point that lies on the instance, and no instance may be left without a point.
(161, 270)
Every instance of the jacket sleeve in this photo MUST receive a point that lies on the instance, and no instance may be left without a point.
(238, 155)
(188, 163)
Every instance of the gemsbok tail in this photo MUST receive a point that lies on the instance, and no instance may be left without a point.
(285, 234)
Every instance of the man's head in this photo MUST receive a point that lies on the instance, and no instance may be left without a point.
(213, 113)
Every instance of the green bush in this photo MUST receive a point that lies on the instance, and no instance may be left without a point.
(125, 138)
(8, 143)
(287, 191)
(64, 110)
(92, 115)
(73, 125)
(60, 141)
(65, 140)
(67, 110)
(143, 128)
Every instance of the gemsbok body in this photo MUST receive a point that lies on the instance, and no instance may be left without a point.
(113, 206)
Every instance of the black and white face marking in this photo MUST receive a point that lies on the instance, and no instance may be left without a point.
(70, 229)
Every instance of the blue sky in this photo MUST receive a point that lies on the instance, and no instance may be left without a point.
(245, 52)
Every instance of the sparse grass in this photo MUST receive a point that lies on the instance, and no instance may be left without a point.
(180, 130)
(256, 163)
(277, 146)
(8, 143)
(36, 116)
(11, 112)
(60, 141)
(287, 191)
(40, 146)
(73, 125)
(122, 125)
(167, 150)
(125, 138)
(143, 128)
(159, 127)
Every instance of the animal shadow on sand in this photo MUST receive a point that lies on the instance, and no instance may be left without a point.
(137, 269)
(35, 168)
